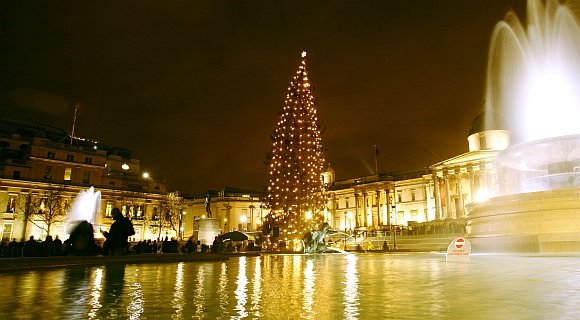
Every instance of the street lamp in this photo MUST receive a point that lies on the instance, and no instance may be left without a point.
(243, 220)
(251, 218)
(181, 228)
(394, 213)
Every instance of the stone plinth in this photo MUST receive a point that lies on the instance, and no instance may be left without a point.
(537, 222)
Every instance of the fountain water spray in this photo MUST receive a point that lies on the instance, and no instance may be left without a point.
(533, 82)
(84, 208)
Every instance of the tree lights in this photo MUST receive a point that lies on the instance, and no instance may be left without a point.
(295, 189)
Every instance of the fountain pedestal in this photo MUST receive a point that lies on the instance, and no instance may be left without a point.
(535, 222)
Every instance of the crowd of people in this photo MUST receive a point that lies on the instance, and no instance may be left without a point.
(82, 243)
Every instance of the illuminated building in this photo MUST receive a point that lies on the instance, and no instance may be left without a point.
(35, 157)
(236, 209)
(437, 193)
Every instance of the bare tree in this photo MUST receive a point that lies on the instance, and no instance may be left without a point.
(171, 208)
(45, 208)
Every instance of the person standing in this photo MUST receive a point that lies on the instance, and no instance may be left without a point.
(120, 230)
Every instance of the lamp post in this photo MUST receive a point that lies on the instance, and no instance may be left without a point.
(251, 217)
(181, 224)
(345, 230)
(394, 212)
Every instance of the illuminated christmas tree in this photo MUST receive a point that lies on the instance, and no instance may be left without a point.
(296, 189)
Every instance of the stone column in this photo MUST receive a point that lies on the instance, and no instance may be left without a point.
(447, 212)
(378, 208)
(437, 192)
(472, 187)
(356, 211)
(364, 206)
(461, 212)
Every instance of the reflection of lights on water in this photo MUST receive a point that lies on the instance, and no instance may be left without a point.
(257, 292)
(95, 294)
(241, 290)
(308, 291)
(177, 302)
(136, 305)
(199, 294)
(351, 289)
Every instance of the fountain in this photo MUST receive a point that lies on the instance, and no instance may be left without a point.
(313, 241)
(84, 208)
(533, 81)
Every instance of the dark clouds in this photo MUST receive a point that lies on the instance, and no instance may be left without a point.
(194, 87)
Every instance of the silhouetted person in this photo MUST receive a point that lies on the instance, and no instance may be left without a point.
(120, 230)
(190, 245)
(14, 249)
(82, 240)
(57, 246)
(30, 248)
(385, 246)
(47, 247)
(215, 245)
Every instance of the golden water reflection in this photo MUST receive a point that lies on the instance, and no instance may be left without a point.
(359, 286)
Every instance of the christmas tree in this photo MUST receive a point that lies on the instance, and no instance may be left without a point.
(296, 189)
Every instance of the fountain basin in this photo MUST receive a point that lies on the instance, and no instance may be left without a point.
(535, 222)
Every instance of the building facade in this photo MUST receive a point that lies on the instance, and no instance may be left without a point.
(236, 209)
(432, 195)
(44, 162)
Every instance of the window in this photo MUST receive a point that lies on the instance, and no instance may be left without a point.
(155, 215)
(70, 157)
(16, 174)
(50, 155)
(399, 196)
(86, 176)
(346, 203)
(139, 212)
(11, 205)
(48, 172)
(414, 215)
(67, 174)
(88, 160)
(413, 195)
(108, 208)
(7, 232)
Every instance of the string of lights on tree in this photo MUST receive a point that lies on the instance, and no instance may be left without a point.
(295, 188)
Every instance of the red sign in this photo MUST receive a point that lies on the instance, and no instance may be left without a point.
(459, 250)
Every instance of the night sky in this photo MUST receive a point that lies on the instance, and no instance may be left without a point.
(194, 88)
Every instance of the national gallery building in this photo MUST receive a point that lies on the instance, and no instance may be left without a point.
(436, 194)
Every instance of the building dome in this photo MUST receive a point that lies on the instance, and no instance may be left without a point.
(488, 132)
(329, 176)
(486, 121)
